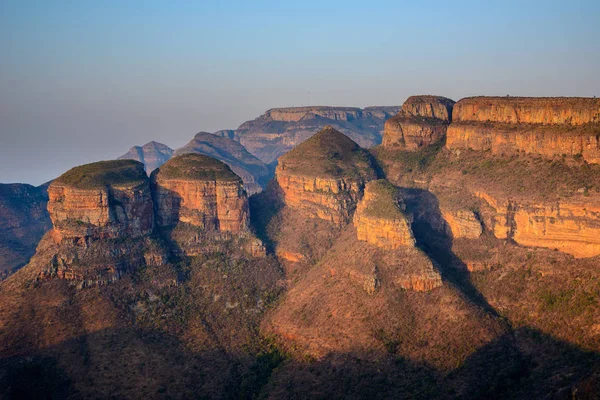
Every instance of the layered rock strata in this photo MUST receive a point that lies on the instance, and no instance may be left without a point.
(324, 176)
(423, 121)
(103, 200)
(380, 218)
(569, 225)
(200, 191)
(545, 126)
(463, 223)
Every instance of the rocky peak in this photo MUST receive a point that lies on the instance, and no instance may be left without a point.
(102, 200)
(294, 114)
(423, 121)
(380, 217)
(152, 155)
(200, 191)
(324, 176)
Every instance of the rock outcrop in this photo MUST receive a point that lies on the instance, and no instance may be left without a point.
(324, 176)
(380, 217)
(103, 200)
(253, 172)
(569, 225)
(423, 121)
(463, 223)
(545, 126)
(200, 191)
(23, 221)
(102, 217)
(280, 129)
(152, 155)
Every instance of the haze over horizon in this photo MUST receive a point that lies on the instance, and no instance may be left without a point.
(84, 81)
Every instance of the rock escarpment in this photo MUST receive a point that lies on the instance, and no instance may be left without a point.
(280, 129)
(422, 121)
(198, 200)
(463, 223)
(102, 217)
(200, 191)
(324, 176)
(569, 225)
(380, 217)
(253, 172)
(152, 155)
(545, 126)
(23, 221)
(103, 200)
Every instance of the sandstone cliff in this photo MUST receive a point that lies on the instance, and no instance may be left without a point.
(422, 121)
(103, 200)
(23, 221)
(280, 129)
(253, 172)
(152, 155)
(200, 191)
(102, 217)
(546, 126)
(324, 176)
(569, 225)
(380, 219)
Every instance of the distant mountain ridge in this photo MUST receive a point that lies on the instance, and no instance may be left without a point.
(152, 155)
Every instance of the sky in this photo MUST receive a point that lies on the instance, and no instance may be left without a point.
(83, 81)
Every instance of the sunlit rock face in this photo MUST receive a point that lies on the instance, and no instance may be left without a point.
(569, 225)
(463, 223)
(324, 176)
(200, 191)
(380, 218)
(545, 126)
(104, 200)
(423, 121)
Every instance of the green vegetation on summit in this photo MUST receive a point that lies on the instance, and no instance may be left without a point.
(328, 154)
(196, 167)
(103, 173)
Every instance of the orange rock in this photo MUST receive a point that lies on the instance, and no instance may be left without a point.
(569, 225)
(545, 126)
(379, 219)
(463, 223)
(209, 195)
(422, 121)
(83, 206)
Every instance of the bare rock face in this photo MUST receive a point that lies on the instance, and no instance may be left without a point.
(103, 200)
(422, 121)
(569, 225)
(545, 126)
(463, 223)
(23, 221)
(254, 173)
(152, 155)
(380, 217)
(280, 129)
(200, 191)
(102, 217)
(324, 176)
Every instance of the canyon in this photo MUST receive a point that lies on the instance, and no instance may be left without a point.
(450, 261)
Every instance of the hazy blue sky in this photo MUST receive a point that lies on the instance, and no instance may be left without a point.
(82, 81)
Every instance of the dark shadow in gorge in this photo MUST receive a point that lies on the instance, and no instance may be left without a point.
(431, 233)
(131, 362)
